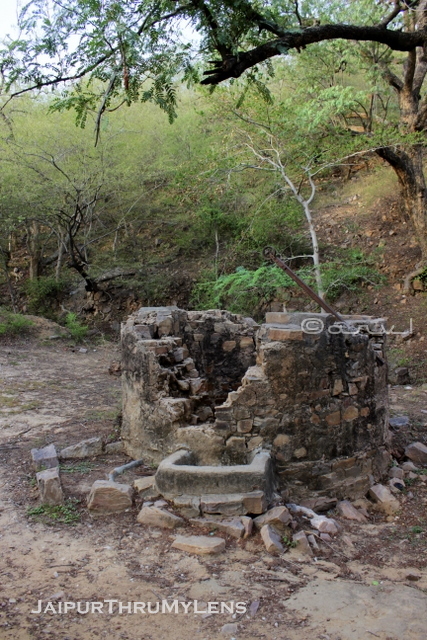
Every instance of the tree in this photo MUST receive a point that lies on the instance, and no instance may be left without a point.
(136, 50)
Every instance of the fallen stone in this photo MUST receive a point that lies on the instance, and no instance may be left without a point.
(188, 506)
(278, 517)
(49, 485)
(409, 466)
(45, 458)
(302, 542)
(417, 452)
(248, 525)
(83, 449)
(401, 376)
(147, 488)
(346, 510)
(160, 503)
(385, 500)
(324, 524)
(109, 497)
(399, 421)
(255, 502)
(114, 447)
(200, 545)
(155, 517)
(396, 484)
(230, 628)
(271, 540)
(232, 527)
(320, 504)
(397, 472)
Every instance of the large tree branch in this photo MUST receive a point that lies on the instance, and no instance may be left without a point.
(234, 66)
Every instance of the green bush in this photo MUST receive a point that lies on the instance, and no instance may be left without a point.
(243, 291)
(348, 273)
(75, 327)
(13, 323)
(42, 292)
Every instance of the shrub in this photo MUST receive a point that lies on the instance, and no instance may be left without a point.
(42, 293)
(75, 327)
(13, 323)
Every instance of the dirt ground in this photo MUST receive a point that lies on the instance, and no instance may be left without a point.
(356, 588)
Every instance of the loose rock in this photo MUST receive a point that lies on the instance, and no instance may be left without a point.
(155, 517)
(346, 510)
(303, 544)
(49, 485)
(278, 517)
(200, 545)
(324, 524)
(417, 452)
(83, 449)
(45, 458)
(109, 497)
(383, 497)
(271, 540)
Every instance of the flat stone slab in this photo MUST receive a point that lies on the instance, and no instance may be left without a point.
(45, 458)
(109, 497)
(233, 526)
(200, 545)
(178, 475)
(49, 485)
(350, 610)
(83, 449)
(155, 517)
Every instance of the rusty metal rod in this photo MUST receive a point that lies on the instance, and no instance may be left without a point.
(270, 254)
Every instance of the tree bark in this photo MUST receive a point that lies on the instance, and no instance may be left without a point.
(408, 166)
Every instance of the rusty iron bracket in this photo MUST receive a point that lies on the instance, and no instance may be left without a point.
(270, 253)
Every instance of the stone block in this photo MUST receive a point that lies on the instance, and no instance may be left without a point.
(84, 449)
(114, 447)
(146, 487)
(229, 345)
(302, 543)
(255, 502)
(347, 511)
(155, 517)
(417, 452)
(350, 414)
(45, 458)
(200, 545)
(278, 517)
(188, 506)
(281, 335)
(109, 497)
(385, 500)
(49, 485)
(246, 342)
(244, 426)
(333, 419)
(227, 505)
(271, 540)
(248, 525)
(324, 524)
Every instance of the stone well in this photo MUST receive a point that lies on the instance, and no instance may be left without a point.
(304, 388)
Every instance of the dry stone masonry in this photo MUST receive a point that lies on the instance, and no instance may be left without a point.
(313, 396)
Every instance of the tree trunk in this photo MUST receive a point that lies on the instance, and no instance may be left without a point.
(34, 249)
(408, 165)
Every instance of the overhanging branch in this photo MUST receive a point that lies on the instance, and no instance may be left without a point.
(234, 66)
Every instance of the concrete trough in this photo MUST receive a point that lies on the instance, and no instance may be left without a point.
(179, 474)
